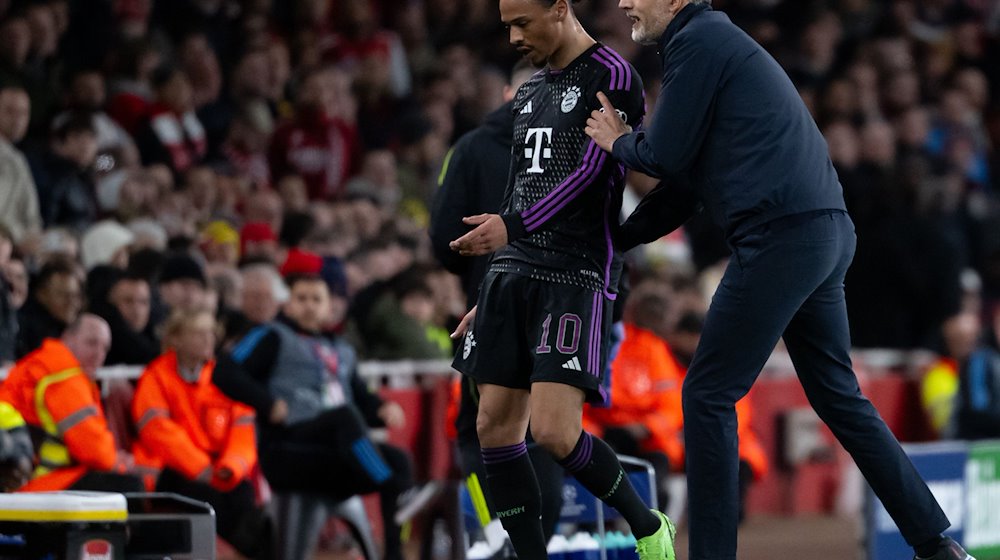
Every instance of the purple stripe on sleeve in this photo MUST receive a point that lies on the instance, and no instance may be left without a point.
(565, 185)
(626, 70)
(567, 196)
(616, 78)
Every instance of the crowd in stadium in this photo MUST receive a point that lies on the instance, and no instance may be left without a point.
(168, 165)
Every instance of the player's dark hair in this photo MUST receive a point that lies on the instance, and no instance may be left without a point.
(551, 2)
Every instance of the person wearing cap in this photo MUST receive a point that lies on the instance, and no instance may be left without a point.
(220, 243)
(106, 242)
(182, 282)
(258, 242)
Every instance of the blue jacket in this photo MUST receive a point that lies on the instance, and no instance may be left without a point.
(730, 133)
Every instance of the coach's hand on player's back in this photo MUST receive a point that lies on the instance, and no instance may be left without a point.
(605, 125)
(489, 235)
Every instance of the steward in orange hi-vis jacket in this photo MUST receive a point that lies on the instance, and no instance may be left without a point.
(645, 390)
(52, 389)
(204, 442)
(190, 426)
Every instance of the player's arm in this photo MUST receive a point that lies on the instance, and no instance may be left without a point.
(661, 211)
(681, 119)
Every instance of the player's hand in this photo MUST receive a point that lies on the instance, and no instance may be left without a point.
(605, 125)
(490, 234)
(463, 326)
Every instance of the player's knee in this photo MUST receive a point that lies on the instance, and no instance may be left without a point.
(493, 431)
(557, 440)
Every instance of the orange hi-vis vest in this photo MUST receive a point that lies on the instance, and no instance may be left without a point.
(645, 389)
(191, 427)
(57, 399)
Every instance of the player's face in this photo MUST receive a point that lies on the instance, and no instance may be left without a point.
(649, 17)
(533, 28)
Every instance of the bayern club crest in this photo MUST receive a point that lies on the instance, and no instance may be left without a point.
(570, 98)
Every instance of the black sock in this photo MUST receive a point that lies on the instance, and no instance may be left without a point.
(928, 548)
(596, 466)
(517, 498)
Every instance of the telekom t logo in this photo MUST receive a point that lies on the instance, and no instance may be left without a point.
(542, 136)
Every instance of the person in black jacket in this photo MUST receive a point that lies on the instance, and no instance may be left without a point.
(66, 194)
(473, 182)
(732, 128)
(55, 302)
(123, 300)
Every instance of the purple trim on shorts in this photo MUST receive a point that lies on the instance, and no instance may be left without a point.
(608, 242)
(569, 189)
(594, 346)
(580, 456)
(492, 455)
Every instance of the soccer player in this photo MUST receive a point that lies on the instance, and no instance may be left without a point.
(538, 343)
(731, 121)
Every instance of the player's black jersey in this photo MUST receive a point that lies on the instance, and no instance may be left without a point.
(564, 191)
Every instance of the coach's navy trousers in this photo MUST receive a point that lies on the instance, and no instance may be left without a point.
(786, 279)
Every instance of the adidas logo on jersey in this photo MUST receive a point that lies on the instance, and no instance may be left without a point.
(573, 364)
(526, 109)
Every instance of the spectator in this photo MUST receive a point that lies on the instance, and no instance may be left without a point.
(939, 385)
(126, 308)
(15, 48)
(309, 405)
(53, 388)
(132, 90)
(258, 242)
(55, 302)
(264, 292)
(172, 133)
(318, 144)
(977, 404)
(182, 283)
(18, 198)
(106, 242)
(87, 94)
(66, 192)
(204, 441)
(397, 326)
(220, 243)
(8, 311)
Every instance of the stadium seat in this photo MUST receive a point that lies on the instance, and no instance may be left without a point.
(299, 518)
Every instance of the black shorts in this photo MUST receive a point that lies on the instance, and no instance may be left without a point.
(529, 330)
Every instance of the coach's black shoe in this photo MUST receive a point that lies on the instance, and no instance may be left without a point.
(948, 550)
